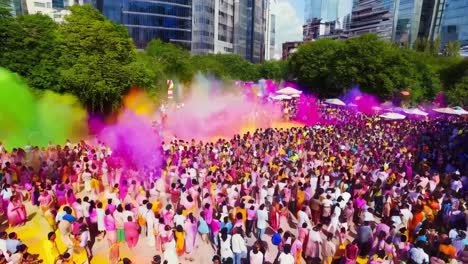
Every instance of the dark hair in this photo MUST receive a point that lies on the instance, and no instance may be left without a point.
(50, 234)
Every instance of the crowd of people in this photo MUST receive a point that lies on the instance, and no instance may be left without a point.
(355, 189)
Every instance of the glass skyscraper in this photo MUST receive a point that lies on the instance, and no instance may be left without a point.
(326, 18)
(170, 20)
(455, 22)
(407, 19)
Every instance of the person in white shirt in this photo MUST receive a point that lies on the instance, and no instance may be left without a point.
(286, 257)
(418, 255)
(262, 221)
(179, 218)
(256, 256)
(85, 238)
(239, 247)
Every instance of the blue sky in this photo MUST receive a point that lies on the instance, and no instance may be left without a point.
(289, 20)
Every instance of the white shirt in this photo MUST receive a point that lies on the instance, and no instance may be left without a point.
(59, 216)
(85, 209)
(84, 238)
(256, 258)
(126, 214)
(286, 258)
(238, 244)
(419, 256)
(262, 218)
(179, 220)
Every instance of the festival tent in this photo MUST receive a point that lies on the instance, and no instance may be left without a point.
(289, 91)
(280, 97)
(295, 95)
(452, 111)
(460, 111)
(415, 111)
(335, 101)
(392, 116)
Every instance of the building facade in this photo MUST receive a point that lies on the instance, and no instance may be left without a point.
(326, 18)
(454, 26)
(407, 21)
(271, 37)
(373, 16)
(170, 21)
(289, 48)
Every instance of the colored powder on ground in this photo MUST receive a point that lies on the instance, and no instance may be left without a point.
(26, 119)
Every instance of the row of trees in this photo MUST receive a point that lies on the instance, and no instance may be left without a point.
(94, 59)
(378, 67)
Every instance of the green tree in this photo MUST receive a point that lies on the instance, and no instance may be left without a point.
(435, 46)
(453, 49)
(314, 66)
(175, 59)
(459, 94)
(29, 47)
(420, 44)
(98, 59)
(209, 65)
(238, 68)
(274, 69)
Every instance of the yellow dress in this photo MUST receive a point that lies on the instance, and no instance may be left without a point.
(180, 243)
(51, 252)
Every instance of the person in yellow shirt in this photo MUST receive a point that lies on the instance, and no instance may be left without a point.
(51, 252)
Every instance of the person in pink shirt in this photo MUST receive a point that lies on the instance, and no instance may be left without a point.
(131, 232)
(70, 197)
(251, 217)
(110, 206)
(215, 228)
(111, 231)
(45, 201)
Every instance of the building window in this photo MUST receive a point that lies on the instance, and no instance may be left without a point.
(37, 4)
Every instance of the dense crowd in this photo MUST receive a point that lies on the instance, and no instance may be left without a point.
(355, 189)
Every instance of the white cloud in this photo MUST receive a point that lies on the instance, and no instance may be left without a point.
(288, 23)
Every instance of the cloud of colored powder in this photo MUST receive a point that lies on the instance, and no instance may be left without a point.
(26, 119)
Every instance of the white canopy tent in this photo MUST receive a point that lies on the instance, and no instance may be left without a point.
(393, 116)
(414, 111)
(460, 111)
(288, 91)
(335, 101)
(446, 110)
(280, 97)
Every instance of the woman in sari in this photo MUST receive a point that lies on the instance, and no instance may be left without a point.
(180, 240)
(275, 217)
(190, 233)
(13, 212)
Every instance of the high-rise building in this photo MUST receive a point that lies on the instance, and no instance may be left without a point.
(455, 22)
(56, 9)
(170, 21)
(407, 20)
(431, 18)
(271, 38)
(230, 26)
(326, 18)
(373, 16)
(203, 26)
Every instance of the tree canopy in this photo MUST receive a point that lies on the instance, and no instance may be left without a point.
(94, 59)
